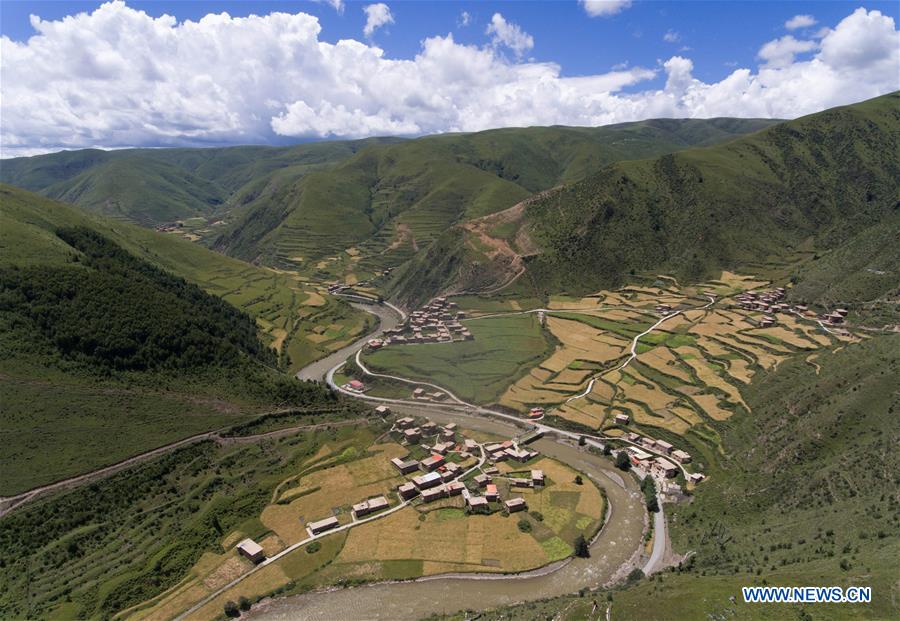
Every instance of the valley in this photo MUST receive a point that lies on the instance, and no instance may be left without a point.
(541, 372)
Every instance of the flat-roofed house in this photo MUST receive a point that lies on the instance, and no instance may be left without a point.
(520, 483)
(382, 410)
(515, 504)
(665, 447)
(695, 477)
(537, 477)
(490, 492)
(681, 457)
(650, 443)
(454, 488)
(427, 481)
(429, 429)
(435, 493)
(477, 501)
(251, 550)
(412, 435)
(405, 467)
(481, 479)
(622, 419)
(432, 462)
(407, 490)
(441, 448)
(471, 444)
(322, 525)
(665, 468)
(494, 448)
(370, 506)
(406, 422)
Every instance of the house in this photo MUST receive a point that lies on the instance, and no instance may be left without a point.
(454, 488)
(383, 410)
(430, 495)
(535, 412)
(633, 437)
(418, 393)
(427, 481)
(412, 435)
(431, 463)
(370, 506)
(481, 479)
(450, 426)
(448, 434)
(477, 501)
(251, 550)
(493, 448)
(649, 443)
(438, 396)
(516, 482)
(520, 454)
(405, 422)
(441, 448)
(622, 419)
(515, 504)
(664, 468)
(429, 429)
(375, 343)
(695, 477)
(405, 467)
(407, 490)
(537, 477)
(471, 444)
(639, 457)
(356, 386)
(322, 525)
(681, 457)
(663, 446)
(491, 493)
(491, 470)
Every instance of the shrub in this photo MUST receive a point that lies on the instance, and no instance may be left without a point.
(524, 525)
(243, 603)
(314, 547)
(231, 609)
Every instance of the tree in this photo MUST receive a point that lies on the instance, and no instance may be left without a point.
(524, 525)
(231, 609)
(581, 547)
(579, 480)
(622, 461)
(607, 449)
(243, 603)
(582, 440)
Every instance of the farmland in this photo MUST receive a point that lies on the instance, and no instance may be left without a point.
(477, 370)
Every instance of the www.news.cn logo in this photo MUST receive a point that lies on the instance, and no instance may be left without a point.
(807, 595)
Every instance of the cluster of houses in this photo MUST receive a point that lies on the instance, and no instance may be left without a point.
(770, 302)
(659, 466)
(436, 477)
(169, 227)
(420, 394)
(437, 322)
(835, 318)
(663, 309)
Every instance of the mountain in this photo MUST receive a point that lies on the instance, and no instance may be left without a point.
(393, 200)
(807, 187)
(108, 326)
(155, 186)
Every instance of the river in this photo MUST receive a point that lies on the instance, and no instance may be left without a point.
(401, 601)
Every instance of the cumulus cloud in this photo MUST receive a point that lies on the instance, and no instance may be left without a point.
(800, 21)
(781, 52)
(507, 34)
(596, 8)
(118, 77)
(377, 15)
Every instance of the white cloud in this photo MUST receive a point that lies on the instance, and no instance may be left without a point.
(465, 18)
(781, 52)
(800, 21)
(377, 15)
(596, 8)
(671, 37)
(509, 35)
(119, 77)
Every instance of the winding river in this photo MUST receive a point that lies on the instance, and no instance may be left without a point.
(617, 546)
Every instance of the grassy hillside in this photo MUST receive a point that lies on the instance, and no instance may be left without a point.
(153, 186)
(806, 495)
(825, 177)
(394, 200)
(105, 327)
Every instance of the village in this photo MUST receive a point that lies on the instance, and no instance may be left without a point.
(436, 322)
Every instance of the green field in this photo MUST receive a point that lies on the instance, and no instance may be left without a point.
(477, 371)
(93, 551)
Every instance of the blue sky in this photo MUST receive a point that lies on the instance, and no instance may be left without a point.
(683, 50)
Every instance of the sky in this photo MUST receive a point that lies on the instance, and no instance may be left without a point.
(117, 74)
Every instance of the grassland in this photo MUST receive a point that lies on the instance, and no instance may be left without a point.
(478, 370)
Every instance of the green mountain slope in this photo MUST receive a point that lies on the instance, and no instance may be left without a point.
(154, 186)
(104, 327)
(394, 200)
(813, 184)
